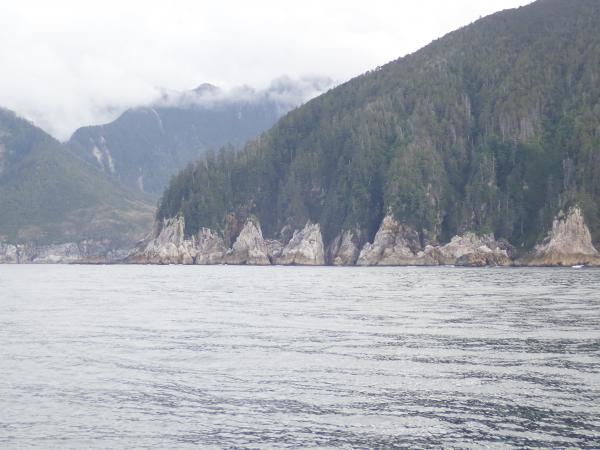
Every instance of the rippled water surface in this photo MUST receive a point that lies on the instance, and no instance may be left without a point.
(179, 356)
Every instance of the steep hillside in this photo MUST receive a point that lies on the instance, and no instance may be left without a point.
(494, 128)
(49, 196)
(146, 146)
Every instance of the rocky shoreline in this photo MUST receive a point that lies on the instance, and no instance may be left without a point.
(568, 243)
(83, 252)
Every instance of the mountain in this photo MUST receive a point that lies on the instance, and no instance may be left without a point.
(48, 196)
(146, 146)
(491, 131)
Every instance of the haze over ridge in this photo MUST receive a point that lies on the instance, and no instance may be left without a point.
(74, 64)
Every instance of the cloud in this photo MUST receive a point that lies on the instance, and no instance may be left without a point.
(69, 63)
(283, 91)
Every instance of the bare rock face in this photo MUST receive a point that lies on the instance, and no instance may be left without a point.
(286, 234)
(210, 248)
(274, 249)
(394, 245)
(305, 248)
(8, 254)
(397, 244)
(345, 248)
(249, 247)
(473, 250)
(167, 245)
(568, 243)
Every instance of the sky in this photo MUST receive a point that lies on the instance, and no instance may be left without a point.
(70, 63)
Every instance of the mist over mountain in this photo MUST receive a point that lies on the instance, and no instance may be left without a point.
(147, 145)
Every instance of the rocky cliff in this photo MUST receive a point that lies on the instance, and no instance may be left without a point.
(345, 248)
(396, 244)
(167, 245)
(304, 249)
(568, 243)
(249, 247)
(8, 254)
(210, 247)
(472, 250)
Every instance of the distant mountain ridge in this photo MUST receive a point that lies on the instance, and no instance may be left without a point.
(146, 146)
(50, 196)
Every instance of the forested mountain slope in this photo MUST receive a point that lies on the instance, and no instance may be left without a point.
(493, 128)
(49, 196)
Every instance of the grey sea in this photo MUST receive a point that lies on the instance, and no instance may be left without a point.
(275, 357)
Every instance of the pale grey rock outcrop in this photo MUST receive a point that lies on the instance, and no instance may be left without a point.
(568, 243)
(8, 254)
(395, 244)
(305, 248)
(345, 248)
(249, 247)
(274, 249)
(169, 245)
(210, 248)
(286, 234)
(569, 235)
(470, 249)
(86, 251)
(166, 245)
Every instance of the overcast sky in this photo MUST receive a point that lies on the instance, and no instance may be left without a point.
(68, 63)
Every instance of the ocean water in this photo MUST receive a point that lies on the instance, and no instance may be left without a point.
(276, 357)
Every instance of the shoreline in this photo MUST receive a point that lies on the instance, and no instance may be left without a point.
(422, 266)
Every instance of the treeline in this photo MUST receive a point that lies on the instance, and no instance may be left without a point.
(493, 128)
